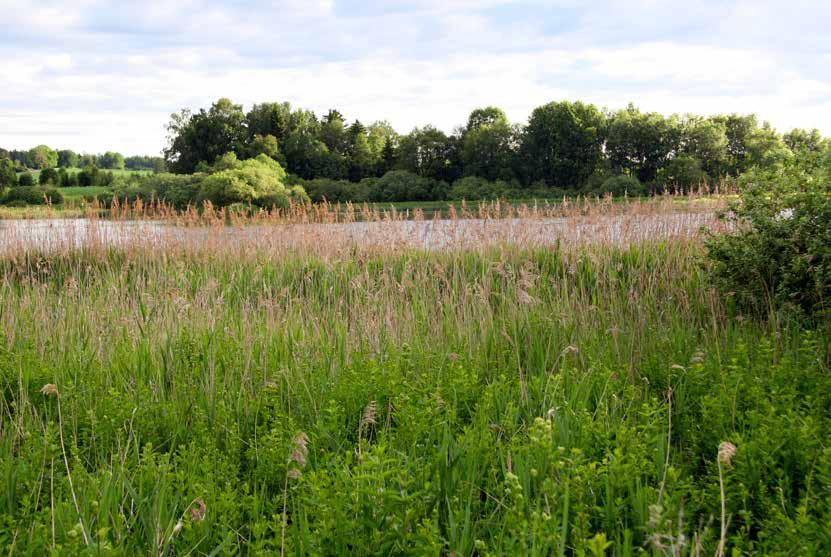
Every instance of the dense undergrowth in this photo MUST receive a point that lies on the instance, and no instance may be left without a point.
(489, 402)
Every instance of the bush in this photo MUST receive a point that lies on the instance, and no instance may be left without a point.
(621, 185)
(258, 181)
(8, 175)
(336, 191)
(67, 179)
(32, 196)
(178, 190)
(26, 180)
(473, 188)
(48, 176)
(780, 251)
(401, 185)
(105, 199)
(88, 176)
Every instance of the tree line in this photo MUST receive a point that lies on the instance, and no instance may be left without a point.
(564, 146)
(43, 157)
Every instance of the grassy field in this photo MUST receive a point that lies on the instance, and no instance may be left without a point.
(79, 192)
(362, 399)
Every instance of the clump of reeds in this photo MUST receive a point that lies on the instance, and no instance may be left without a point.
(334, 230)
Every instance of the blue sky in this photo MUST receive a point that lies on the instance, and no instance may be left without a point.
(95, 76)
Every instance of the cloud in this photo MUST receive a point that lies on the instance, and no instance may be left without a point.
(95, 75)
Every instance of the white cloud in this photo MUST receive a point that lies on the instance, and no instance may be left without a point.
(106, 78)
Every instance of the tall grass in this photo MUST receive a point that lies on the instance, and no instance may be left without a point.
(211, 396)
(350, 229)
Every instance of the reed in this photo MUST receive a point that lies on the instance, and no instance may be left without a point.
(505, 392)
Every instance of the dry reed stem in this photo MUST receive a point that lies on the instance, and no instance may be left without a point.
(334, 231)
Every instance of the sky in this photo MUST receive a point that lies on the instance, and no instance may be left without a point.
(95, 76)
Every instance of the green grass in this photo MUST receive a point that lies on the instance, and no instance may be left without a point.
(504, 402)
(79, 192)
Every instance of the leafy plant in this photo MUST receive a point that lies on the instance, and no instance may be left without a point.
(779, 253)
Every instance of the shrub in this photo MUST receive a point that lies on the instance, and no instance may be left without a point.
(780, 251)
(8, 175)
(474, 188)
(105, 199)
(179, 190)
(32, 196)
(88, 176)
(401, 185)
(258, 181)
(27, 179)
(335, 191)
(49, 176)
(621, 185)
(67, 179)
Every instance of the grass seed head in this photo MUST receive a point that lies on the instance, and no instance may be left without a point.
(198, 509)
(49, 389)
(368, 417)
(726, 452)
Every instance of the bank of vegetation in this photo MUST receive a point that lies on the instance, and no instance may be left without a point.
(666, 394)
(565, 148)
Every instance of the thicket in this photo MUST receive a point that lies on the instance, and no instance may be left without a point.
(31, 195)
(779, 254)
(259, 181)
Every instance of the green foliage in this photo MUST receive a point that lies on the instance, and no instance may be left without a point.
(488, 145)
(49, 176)
(91, 176)
(111, 160)
(67, 179)
(510, 402)
(178, 190)
(29, 195)
(401, 185)
(258, 181)
(67, 158)
(563, 143)
(139, 162)
(472, 188)
(27, 179)
(204, 136)
(706, 141)
(641, 144)
(43, 157)
(683, 173)
(779, 253)
(336, 191)
(619, 186)
(265, 145)
(564, 147)
(430, 153)
(310, 158)
(8, 175)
